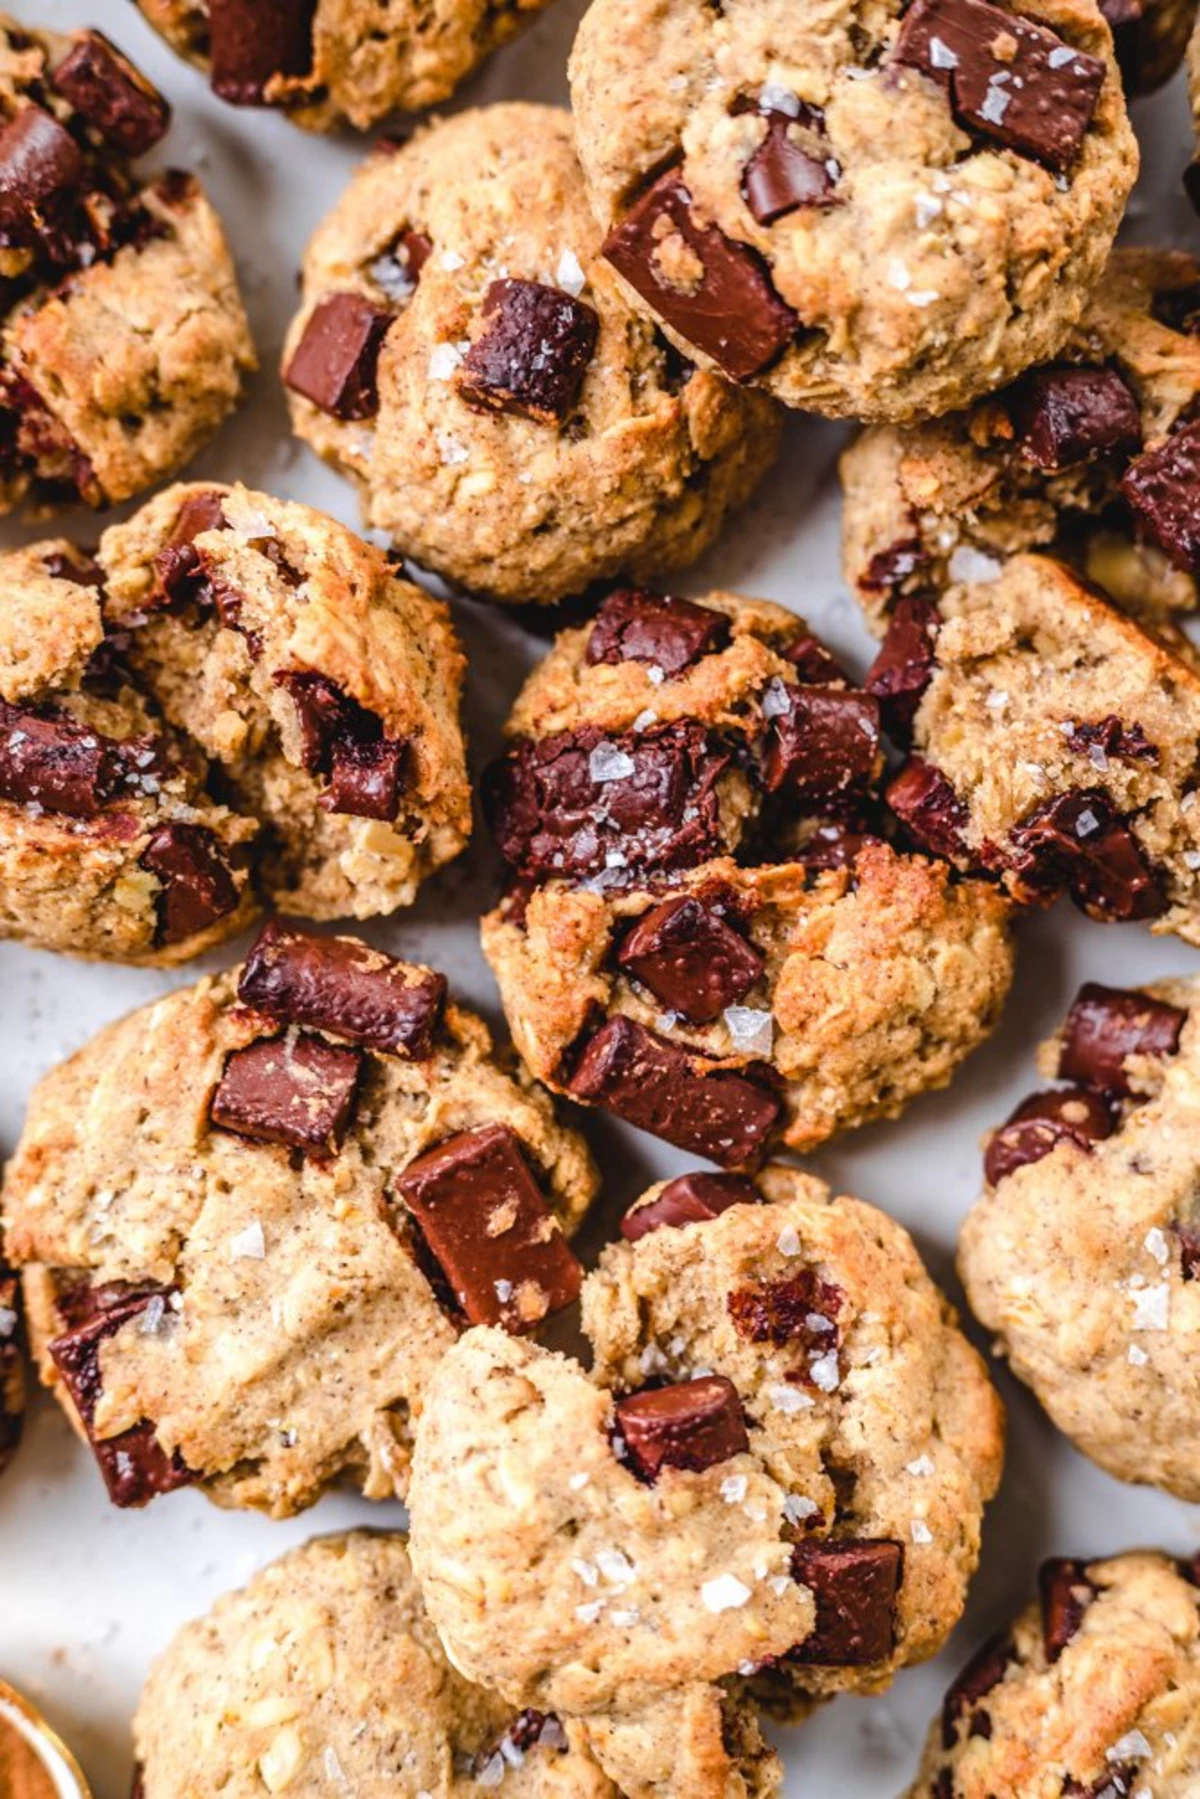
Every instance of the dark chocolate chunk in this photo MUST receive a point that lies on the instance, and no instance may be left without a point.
(1065, 1592)
(198, 887)
(1108, 1024)
(49, 760)
(689, 1199)
(343, 987)
(821, 743)
(832, 844)
(297, 1090)
(75, 566)
(635, 626)
(683, 1098)
(137, 1789)
(41, 174)
(1189, 1248)
(483, 1217)
(335, 363)
(1116, 1782)
(813, 663)
(985, 1670)
(1076, 841)
(690, 958)
(111, 95)
(1163, 489)
(782, 176)
(855, 1582)
(715, 292)
(889, 569)
(533, 353)
(12, 1367)
(904, 666)
(694, 1425)
(398, 270)
(1110, 738)
(1125, 21)
(527, 1730)
(366, 779)
(1041, 1122)
(802, 1308)
(1191, 182)
(251, 41)
(1066, 415)
(179, 576)
(1006, 78)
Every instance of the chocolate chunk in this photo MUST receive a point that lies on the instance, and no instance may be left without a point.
(821, 743)
(855, 1582)
(296, 1090)
(1191, 183)
(198, 887)
(781, 176)
(685, 1099)
(689, 1199)
(341, 739)
(482, 1215)
(1163, 489)
(1111, 738)
(1116, 1782)
(889, 569)
(1066, 1592)
(49, 760)
(715, 292)
(527, 1730)
(533, 354)
(137, 1788)
(135, 1466)
(832, 844)
(1125, 21)
(690, 959)
(252, 41)
(335, 364)
(694, 1424)
(398, 270)
(1006, 78)
(1108, 1024)
(343, 987)
(12, 1367)
(41, 174)
(635, 626)
(579, 802)
(1066, 415)
(803, 1308)
(985, 1670)
(366, 779)
(904, 666)
(1189, 1248)
(115, 98)
(75, 566)
(1075, 840)
(813, 663)
(180, 578)
(1043, 1121)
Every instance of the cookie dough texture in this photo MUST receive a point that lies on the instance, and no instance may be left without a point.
(1112, 1710)
(324, 1672)
(639, 475)
(931, 504)
(299, 1331)
(941, 263)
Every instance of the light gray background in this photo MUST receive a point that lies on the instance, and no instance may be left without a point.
(88, 1594)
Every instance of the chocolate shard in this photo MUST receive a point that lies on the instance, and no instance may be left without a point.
(1043, 1121)
(336, 362)
(683, 1098)
(693, 1424)
(984, 1672)
(855, 1582)
(1006, 78)
(179, 575)
(1076, 841)
(1066, 1593)
(1107, 1025)
(345, 988)
(1163, 490)
(802, 1308)
(12, 1367)
(397, 270)
(198, 886)
(821, 744)
(714, 292)
(1066, 415)
(112, 96)
(1108, 739)
(782, 176)
(296, 1090)
(482, 1215)
(41, 174)
(904, 667)
(253, 41)
(533, 354)
(670, 634)
(689, 1199)
(1189, 1248)
(690, 958)
(50, 761)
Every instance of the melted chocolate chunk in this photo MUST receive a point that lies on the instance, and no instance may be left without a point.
(49, 760)
(1076, 841)
(889, 569)
(252, 41)
(344, 741)
(398, 270)
(1065, 1592)
(1189, 1248)
(782, 176)
(533, 354)
(689, 1199)
(683, 1098)
(802, 1309)
(336, 362)
(41, 174)
(635, 626)
(690, 958)
(296, 1090)
(1108, 1024)
(113, 97)
(1112, 739)
(343, 987)
(1163, 490)
(833, 845)
(904, 666)
(855, 1582)
(1043, 1121)
(985, 1670)
(715, 292)
(822, 743)
(694, 1425)
(483, 1217)
(12, 1372)
(1066, 415)
(366, 779)
(179, 575)
(198, 887)
(813, 664)
(1006, 78)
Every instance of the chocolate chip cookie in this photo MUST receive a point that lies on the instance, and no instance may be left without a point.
(772, 1482)
(1093, 1692)
(1083, 1255)
(123, 343)
(254, 1215)
(878, 218)
(221, 643)
(466, 355)
(325, 1674)
(1092, 456)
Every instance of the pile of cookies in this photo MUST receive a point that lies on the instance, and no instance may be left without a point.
(304, 1223)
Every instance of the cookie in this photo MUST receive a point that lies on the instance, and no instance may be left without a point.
(12, 1367)
(1093, 1691)
(123, 342)
(1056, 462)
(324, 1672)
(464, 353)
(331, 63)
(222, 643)
(876, 218)
(771, 1484)
(1083, 1255)
(254, 1215)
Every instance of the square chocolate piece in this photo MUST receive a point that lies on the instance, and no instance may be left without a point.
(855, 1582)
(667, 633)
(336, 362)
(296, 1090)
(694, 1424)
(344, 987)
(533, 354)
(690, 958)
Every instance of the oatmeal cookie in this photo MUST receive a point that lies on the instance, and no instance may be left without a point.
(878, 215)
(123, 342)
(466, 355)
(1083, 1255)
(252, 1217)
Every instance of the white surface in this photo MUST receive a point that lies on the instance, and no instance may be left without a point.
(88, 1594)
